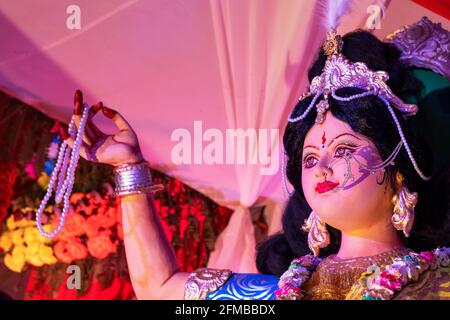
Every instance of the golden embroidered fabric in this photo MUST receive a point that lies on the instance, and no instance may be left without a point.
(334, 277)
(432, 285)
(203, 281)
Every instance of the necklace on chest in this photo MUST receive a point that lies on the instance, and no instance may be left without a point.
(385, 274)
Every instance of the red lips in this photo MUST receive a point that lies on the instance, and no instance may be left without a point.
(326, 186)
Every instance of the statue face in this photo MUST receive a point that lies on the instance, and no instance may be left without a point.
(335, 179)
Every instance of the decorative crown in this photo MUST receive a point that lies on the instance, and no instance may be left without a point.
(339, 73)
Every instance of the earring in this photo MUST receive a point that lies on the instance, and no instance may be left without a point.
(404, 203)
(318, 236)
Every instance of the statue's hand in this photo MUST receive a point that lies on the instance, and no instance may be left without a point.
(122, 147)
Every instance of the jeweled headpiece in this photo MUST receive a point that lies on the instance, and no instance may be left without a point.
(339, 73)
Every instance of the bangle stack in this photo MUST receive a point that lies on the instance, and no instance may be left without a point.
(134, 179)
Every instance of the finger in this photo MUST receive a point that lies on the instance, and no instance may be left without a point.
(117, 118)
(64, 131)
(55, 128)
(87, 134)
(91, 135)
(70, 142)
(90, 123)
(78, 105)
(77, 113)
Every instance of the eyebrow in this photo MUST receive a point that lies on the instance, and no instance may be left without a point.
(342, 134)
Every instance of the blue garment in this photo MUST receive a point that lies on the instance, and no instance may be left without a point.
(243, 286)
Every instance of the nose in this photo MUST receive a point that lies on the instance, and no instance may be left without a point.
(322, 170)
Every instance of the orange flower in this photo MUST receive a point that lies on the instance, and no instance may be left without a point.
(101, 245)
(107, 217)
(77, 250)
(70, 250)
(75, 225)
(61, 253)
(94, 198)
(75, 197)
(62, 235)
(88, 210)
(70, 229)
(92, 226)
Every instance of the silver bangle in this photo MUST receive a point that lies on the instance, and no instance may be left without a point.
(134, 179)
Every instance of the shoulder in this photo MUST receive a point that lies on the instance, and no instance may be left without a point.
(432, 285)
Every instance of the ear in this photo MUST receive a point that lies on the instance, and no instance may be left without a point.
(398, 180)
(395, 181)
(382, 177)
(388, 178)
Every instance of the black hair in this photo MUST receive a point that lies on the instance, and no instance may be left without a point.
(370, 117)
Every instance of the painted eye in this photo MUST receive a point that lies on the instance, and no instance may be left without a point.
(342, 151)
(310, 162)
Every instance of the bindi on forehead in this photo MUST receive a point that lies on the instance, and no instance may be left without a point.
(324, 140)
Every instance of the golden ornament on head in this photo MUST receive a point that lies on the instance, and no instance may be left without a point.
(333, 44)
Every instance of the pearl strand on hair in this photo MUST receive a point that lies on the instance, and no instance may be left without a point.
(402, 136)
(302, 116)
(283, 174)
(65, 166)
(355, 96)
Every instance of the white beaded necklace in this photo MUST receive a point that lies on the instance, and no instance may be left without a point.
(66, 165)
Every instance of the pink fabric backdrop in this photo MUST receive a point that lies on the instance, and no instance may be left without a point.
(165, 64)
